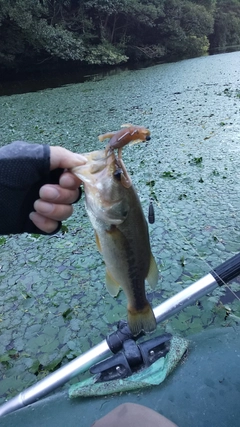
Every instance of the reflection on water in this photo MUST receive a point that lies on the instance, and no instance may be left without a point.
(41, 80)
(56, 79)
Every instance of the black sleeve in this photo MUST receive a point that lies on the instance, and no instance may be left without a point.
(24, 168)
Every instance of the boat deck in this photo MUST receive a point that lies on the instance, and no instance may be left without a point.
(204, 390)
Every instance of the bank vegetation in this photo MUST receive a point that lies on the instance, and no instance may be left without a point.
(109, 32)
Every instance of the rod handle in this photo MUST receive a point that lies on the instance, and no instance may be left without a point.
(227, 271)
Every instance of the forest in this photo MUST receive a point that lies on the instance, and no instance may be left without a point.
(109, 32)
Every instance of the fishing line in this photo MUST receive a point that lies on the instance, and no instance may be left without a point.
(151, 220)
(151, 213)
(173, 224)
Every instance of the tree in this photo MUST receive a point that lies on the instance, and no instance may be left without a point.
(112, 31)
(50, 29)
(185, 28)
(227, 24)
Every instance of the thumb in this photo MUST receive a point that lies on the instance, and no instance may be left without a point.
(62, 158)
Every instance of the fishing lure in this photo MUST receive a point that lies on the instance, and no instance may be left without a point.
(128, 134)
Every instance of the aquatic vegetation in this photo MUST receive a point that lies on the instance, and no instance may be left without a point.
(53, 302)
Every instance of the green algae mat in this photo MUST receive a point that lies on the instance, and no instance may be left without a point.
(53, 301)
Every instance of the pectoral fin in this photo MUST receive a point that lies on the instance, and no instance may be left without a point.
(98, 242)
(112, 286)
(153, 274)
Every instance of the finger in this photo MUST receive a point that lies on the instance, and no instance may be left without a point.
(45, 224)
(58, 195)
(53, 211)
(69, 180)
(62, 158)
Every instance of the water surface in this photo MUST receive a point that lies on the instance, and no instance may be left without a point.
(53, 301)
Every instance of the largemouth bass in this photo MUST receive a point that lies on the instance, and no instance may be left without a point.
(121, 233)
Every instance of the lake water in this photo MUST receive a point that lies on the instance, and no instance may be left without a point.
(53, 301)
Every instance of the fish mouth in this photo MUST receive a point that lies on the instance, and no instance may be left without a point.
(102, 166)
(97, 166)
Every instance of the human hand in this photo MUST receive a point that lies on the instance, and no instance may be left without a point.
(55, 202)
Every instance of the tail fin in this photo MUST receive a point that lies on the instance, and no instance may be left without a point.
(143, 320)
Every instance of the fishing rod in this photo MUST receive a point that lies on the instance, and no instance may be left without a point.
(217, 277)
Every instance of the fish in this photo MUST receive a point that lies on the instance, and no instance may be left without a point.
(122, 235)
(128, 134)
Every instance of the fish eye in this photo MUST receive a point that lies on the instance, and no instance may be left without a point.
(148, 138)
(117, 174)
